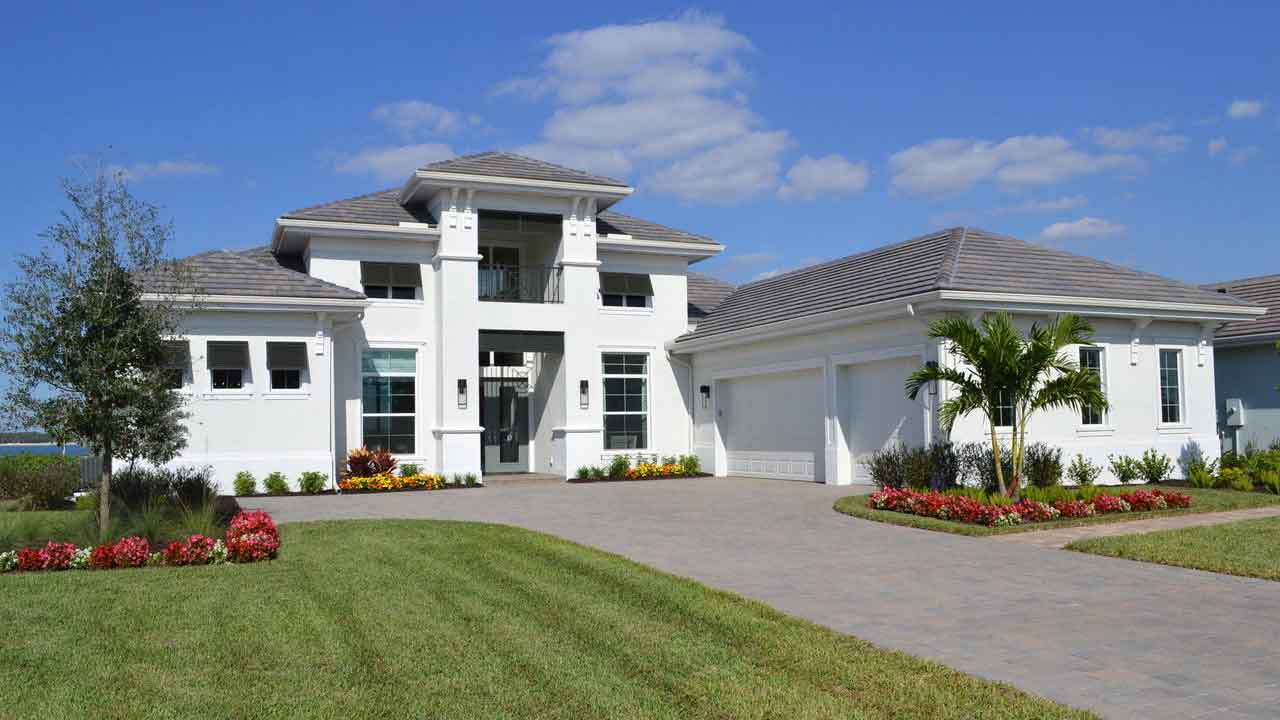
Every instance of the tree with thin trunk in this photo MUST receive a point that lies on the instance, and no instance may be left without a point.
(1001, 372)
(85, 330)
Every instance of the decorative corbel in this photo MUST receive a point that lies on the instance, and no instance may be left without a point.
(453, 207)
(1202, 347)
(322, 324)
(572, 221)
(469, 213)
(1135, 342)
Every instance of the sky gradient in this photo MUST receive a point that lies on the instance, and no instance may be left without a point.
(1140, 133)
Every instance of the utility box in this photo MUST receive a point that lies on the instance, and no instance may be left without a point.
(1235, 412)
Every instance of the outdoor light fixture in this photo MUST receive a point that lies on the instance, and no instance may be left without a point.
(933, 384)
(705, 392)
(462, 393)
(584, 395)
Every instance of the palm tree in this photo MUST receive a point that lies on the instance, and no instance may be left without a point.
(1001, 369)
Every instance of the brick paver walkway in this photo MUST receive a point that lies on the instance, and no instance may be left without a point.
(1065, 536)
(1126, 639)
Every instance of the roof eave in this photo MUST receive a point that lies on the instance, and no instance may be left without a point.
(1094, 306)
(696, 251)
(605, 195)
(263, 303)
(284, 227)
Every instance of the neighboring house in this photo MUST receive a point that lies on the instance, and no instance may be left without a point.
(705, 294)
(1247, 367)
(492, 313)
(801, 375)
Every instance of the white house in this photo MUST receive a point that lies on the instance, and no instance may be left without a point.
(1248, 367)
(494, 314)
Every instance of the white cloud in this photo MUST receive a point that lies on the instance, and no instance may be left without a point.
(138, 172)
(1217, 145)
(726, 173)
(1155, 136)
(415, 117)
(951, 165)
(830, 175)
(1066, 202)
(1085, 227)
(657, 126)
(1245, 109)
(393, 163)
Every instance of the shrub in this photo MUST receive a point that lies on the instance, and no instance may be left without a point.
(458, 479)
(363, 462)
(690, 464)
(138, 488)
(1043, 465)
(944, 466)
(245, 483)
(410, 469)
(131, 552)
(1124, 468)
(1155, 466)
(584, 473)
(1229, 477)
(252, 536)
(313, 481)
(978, 467)
(195, 550)
(472, 480)
(1270, 481)
(619, 465)
(275, 484)
(597, 471)
(1083, 472)
(199, 520)
(43, 480)
(1048, 494)
(1199, 477)
(87, 501)
(917, 468)
(887, 467)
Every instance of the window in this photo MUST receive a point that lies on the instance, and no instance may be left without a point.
(389, 394)
(228, 364)
(1170, 386)
(177, 356)
(626, 401)
(395, 281)
(501, 359)
(626, 290)
(1091, 360)
(286, 361)
(1005, 413)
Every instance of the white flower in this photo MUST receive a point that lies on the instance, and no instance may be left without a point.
(80, 560)
(8, 561)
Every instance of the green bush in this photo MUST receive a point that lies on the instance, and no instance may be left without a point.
(584, 473)
(87, 501)
(619, 466)
(139, 488)
(1082, 471)
(313, 481)
(42, 481)
(275, 484)
(409, 469)
(898, 466)
(1049, 493)
(1235, 478)
(245, 483)
(458, 479)
(1155, 466)
(978, 467)
(471, 480)
(690, 465)
(1125, 468)
(597, 471)
(1043, 465)
(199, 520)
(944, 466)
(1199, 477)
(1270, 481)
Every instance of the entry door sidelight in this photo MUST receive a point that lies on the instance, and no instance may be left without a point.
(509, 424)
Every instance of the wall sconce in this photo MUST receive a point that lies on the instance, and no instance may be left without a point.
(584, 394)
(705, 392)
(933, 385)
(462, 393)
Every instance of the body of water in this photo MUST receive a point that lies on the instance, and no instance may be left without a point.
(72, 450)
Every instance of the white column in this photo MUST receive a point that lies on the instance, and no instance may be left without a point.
(583, 430)
(457, 315)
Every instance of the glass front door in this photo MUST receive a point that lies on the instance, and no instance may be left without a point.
(504, 413)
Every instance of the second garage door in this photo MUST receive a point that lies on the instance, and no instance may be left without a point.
(878, 413)
(773, 424)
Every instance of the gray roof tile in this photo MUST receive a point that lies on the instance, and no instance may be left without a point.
(954, 259)
(256, 272)
(705, 293)
(608, 221)
(505, 164)
(376, 208)
(1264, 291)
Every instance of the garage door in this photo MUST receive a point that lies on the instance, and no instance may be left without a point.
(773, 424)
(879, 414)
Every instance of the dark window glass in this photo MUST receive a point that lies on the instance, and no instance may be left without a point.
(404, 293)
(1170, 387)
(1091, 360)
(286, 379)
(174, 378)
(377, 291)
(611, 300)
(227, 379)
(625, 400)
(1004, 411)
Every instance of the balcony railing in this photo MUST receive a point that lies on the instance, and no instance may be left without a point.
(521, 283)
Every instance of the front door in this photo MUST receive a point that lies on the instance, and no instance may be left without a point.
(504, 414)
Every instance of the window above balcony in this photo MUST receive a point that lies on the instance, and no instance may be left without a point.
(391, 281)
(626, 290)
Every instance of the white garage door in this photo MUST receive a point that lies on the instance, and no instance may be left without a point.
(879, 413)
(773, 424)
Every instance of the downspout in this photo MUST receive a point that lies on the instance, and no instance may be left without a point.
(333, 391)
(688, 366)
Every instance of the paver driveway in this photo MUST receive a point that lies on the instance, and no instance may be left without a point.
(1125, 639)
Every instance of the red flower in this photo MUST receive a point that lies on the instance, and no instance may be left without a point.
(32, 559)
(131, 552)
(103, 557)
(194, 550)
(252, 536)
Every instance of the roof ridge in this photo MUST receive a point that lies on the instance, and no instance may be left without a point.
(443, 165)
(951, 262)
(1251, 278)
(833, 261)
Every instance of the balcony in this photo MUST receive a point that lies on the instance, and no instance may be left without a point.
(521, 283)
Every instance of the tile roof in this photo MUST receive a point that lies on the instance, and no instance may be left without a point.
(953, 259)
(705, 293)
(256, 272)
(608, 221)
(505, 164)
(376, 208)
(1264, 291)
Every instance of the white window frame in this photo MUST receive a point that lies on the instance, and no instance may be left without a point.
(1181, 422)
(417, 375)
(419, 294)
(304, 374)
(1103, 377)
(246, 389)
(1013, 410)
(648, 396)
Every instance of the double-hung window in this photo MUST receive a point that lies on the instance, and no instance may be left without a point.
(1005, 412)
(228, 364)
(389, 391)
(630, 290)
(177, 356)
(394, 281)
(1170, 386)
(626, 401)
(1091, 361)
(286, 361)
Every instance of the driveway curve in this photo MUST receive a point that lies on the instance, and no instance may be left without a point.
(1125, 639)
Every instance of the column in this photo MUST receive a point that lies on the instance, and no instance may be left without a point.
(583, 430)
(457, 315)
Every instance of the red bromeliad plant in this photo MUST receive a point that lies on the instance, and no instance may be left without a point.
(363, 462)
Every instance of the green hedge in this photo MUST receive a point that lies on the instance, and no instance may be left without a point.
(43, 481)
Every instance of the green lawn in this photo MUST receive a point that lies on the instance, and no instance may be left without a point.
(37, 527)
(368, 619)
(1201, 501)
(1248, 547)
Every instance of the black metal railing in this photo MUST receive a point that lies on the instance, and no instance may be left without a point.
(521, 283)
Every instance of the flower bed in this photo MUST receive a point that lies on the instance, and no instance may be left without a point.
(387, 481)
(251, 536)
(966, 509)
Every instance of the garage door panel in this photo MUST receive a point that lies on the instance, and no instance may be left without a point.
(879, 413)
(774, 424)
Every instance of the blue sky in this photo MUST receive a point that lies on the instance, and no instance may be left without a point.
(1141, 133)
